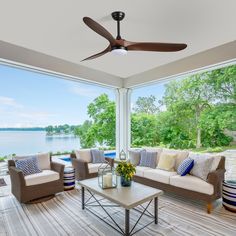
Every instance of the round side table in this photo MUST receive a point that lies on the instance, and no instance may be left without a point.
(229, 195)
(69, 178)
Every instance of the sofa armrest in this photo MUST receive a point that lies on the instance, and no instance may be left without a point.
(17, 177)
(216, 178)
(81, 169)
(110, 161)
(58, 167)
(72, 156)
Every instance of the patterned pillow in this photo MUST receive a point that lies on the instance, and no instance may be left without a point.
(202, 166)
(185, 166)
(148, 159)
(28, 165)
(97, 156)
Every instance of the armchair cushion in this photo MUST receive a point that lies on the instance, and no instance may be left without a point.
(28, 165)
(43, 160)
(84, 155)
(40, 178)
(97, 156)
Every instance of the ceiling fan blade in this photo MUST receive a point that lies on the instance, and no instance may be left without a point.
(99, 29)
(108, 49)
(160, 47)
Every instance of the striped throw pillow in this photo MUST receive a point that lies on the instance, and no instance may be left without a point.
(28, 165)
(148, 159)
(185, 167)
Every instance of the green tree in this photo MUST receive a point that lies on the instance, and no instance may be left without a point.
(101, 128)
(146, 105)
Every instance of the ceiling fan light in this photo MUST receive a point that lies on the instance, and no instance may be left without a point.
(119, 51)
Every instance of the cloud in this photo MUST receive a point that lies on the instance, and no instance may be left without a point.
(10, 102)
(85, 92)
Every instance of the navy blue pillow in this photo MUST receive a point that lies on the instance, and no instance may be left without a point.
(185, 167)
(28, 165)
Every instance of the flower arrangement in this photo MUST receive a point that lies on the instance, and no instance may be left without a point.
(126, 170)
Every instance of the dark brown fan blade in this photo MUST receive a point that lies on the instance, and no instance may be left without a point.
(99, 29)
(159, 47)
(108, 49)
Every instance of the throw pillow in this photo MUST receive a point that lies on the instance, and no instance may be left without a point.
(134, 157)
(28, 165)
(185, 166)
(84, 155)
(97, 156)
(148, 159)
(202, 166)
(167, 161)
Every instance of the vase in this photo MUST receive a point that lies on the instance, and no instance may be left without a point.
(124, 182)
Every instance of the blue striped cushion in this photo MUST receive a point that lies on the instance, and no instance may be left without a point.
(97, 156)
(28, 165)
(148, 159)
(185, 166)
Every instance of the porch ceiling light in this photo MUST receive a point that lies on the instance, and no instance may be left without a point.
(119, 50)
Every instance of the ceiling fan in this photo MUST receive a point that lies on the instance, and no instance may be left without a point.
(121, 46)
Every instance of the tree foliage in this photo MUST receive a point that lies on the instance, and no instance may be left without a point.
(146, 105)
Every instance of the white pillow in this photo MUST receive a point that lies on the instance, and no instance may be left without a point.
(43, 160)
(84, 155)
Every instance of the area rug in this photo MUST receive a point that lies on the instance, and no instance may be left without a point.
(62, 215)
(2, 182)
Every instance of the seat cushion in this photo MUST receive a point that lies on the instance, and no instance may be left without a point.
(93, 167)
(84, 155)
(162, 176)
(140, 170)
(44, 177)
(43, 160)
(192, 183)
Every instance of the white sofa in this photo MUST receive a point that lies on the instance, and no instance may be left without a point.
(189, 185)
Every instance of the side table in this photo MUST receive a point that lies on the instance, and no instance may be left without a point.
(229, 195)
(69, 178)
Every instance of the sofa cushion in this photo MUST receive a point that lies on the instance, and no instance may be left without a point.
(192, 183)
(44, 177)
(153, 149)
(162, 176)
(93, 167)
(84, 155)
(167, 161)
(181, 155)
(148, 159)
(202, 166)
(28, 165)
(134, 156)
(43, 160)
(185, 167)
(97, 156)
(140, 170)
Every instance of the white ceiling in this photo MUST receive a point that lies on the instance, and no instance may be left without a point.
(56, 28)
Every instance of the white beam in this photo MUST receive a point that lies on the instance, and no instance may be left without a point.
(40, 61)
(203, 60)
(123, 112)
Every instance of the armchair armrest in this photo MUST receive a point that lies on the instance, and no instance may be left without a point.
(17, 177)
(81, 169)
(58, 168)
(110, 161)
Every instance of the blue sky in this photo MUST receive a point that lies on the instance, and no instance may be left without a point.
(29, 99)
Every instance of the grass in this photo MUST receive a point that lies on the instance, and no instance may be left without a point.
(214, 149)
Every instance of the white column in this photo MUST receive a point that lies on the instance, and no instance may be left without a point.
(123, 114)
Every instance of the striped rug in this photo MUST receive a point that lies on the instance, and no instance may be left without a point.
(62, 215)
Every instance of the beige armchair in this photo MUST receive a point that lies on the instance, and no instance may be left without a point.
(35, 186)
(82, 163)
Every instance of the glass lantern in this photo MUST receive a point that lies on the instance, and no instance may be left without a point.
(122, 155)
(107, 177)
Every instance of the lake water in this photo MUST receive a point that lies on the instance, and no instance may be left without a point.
(30, 142)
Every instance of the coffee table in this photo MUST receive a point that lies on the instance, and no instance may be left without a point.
(126, 197)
